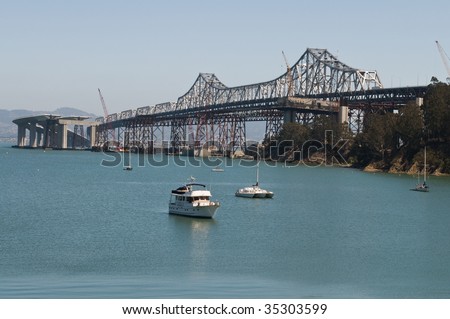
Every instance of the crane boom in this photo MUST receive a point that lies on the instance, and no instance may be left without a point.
(105, 110)
(445, 59)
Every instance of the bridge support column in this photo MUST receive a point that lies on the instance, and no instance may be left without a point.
(273, 127)
(46, 140)
(21, 134)
(32, 142)
(177, 134)
(419, 101)
(343, 113)
(62, 136)
(92, 135)
(238, 136)
(289, 116)
(38, 139)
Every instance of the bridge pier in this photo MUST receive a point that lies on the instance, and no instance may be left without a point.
(91, 131)
(343, 112)
(32, 142)
(274, 123)
(177, 133)
(21, 135)
(62, 136)
(52, 131)
(419, 101)
(289, 116)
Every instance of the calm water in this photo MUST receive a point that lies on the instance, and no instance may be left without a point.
(70, 228)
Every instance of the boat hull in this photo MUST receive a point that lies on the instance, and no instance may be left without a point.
(254, 194)
(259, 195)
(269, 195)
(195, 211)
(246, 195)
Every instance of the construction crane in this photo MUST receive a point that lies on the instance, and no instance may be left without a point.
(105, 112)
(445, 59)
(290, 79)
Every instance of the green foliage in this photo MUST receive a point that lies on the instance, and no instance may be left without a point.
(390, 136)
(321, 125)
(387, 138)
(378, 138)
(436, 109)
(410, 126)
(297, 141)
(294, 132)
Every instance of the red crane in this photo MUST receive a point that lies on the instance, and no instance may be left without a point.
(105, 112)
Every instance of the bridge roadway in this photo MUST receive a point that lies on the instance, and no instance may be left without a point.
(345, 106)
(327, 103)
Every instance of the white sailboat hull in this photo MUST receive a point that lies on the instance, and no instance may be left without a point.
(253, 192)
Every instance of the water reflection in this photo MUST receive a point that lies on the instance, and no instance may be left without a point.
(197, 233)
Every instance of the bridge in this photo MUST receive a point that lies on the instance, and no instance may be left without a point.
(55, 131)
(210, 113)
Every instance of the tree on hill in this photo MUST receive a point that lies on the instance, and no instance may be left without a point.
(436, 109)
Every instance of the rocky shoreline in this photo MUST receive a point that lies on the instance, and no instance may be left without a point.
(412, 170)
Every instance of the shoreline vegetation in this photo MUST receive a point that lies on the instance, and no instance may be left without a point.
(391, 141)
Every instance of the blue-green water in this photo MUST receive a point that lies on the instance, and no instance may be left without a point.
(71, 228)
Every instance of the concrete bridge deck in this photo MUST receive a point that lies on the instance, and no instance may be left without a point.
(53, 131)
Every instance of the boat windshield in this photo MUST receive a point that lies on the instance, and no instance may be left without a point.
(195, 198)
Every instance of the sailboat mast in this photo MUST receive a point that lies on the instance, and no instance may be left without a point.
(257, 173)
(425, 166)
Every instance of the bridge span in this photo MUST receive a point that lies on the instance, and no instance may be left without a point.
(318, 84)
(54, 131)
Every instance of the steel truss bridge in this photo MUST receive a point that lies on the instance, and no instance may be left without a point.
(212, 113)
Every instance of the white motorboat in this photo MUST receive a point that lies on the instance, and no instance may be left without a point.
(254, 191)
(217, 169)
(192, 200)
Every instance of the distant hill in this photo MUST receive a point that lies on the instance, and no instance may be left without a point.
(9, 130)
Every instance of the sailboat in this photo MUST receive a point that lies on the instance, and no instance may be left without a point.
(254, 191)
(218, 168)
(422, 187)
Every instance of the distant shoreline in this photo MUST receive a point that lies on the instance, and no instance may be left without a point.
(8, 140)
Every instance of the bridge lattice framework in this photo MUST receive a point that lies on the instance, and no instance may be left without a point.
(210, 112)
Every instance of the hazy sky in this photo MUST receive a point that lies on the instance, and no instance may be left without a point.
(57, 53)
